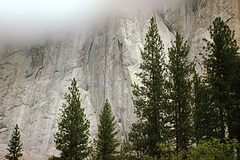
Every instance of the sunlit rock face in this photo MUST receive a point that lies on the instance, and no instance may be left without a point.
(34, 79)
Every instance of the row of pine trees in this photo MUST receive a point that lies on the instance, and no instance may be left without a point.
(175, 106)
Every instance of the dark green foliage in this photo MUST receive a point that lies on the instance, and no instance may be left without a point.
(203, 113)
(106, 142)
(72, 137)
(15, 146)
(167, 151)
(126, 152)
(233, 120)
(222, 72)
(212, 149)
(150, 100)
(180, 91)
(53, 157)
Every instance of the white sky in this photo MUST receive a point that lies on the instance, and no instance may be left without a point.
(25, 20)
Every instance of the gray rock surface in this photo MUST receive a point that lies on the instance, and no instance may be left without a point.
(33, 79)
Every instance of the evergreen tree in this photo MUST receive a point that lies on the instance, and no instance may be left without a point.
(203, 114)
(106, 142)
(73, 134)
(234, 111)
(15, 146)
(149, 103)
(180, 91)
(126, 151)
(221, 74)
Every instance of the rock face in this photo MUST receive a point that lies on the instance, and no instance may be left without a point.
(33, 80)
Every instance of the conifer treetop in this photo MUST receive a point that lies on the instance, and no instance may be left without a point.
(73, 126)
(15, 146)
(106, 142)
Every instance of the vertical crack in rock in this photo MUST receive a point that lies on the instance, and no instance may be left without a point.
(106, 52)
(89, 52)
(37, 54)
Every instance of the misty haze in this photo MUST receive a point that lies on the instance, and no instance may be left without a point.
(119, 79)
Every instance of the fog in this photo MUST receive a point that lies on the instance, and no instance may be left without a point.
(30, 21)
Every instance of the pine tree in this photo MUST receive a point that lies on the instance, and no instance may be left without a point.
(221, 74)
(234, 111)
(15, 146)
(180, 94)
(106, 142)
(73, 134)
(203, 114)
(150, 108)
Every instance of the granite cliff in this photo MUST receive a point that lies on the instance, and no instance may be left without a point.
(33, 79)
